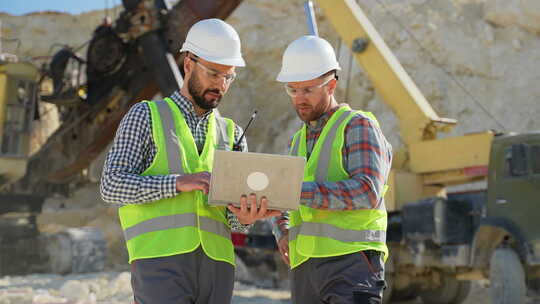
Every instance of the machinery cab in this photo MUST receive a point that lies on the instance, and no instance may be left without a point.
(514, 184)
(18, 93)
(513, 198)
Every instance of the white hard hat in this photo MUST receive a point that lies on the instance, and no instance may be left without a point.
(306, 58)
(215, 41)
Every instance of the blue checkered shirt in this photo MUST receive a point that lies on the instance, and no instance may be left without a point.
(133, 151)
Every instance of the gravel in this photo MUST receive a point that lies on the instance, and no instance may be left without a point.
(104, 287)
(115, 288)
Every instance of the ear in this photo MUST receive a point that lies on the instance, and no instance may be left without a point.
(332, 86)
(187, 66)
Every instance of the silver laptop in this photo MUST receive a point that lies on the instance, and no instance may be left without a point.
(278, 177)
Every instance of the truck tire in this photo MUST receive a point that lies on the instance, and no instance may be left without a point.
(451, 291)
(76, 250)
(507, 277)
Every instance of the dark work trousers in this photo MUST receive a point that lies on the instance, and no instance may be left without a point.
(182, 279)
(347, 279)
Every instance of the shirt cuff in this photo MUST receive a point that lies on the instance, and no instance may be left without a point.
(277, 229)
(236, 226)
(169, 186)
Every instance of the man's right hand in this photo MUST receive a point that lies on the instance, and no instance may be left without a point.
(191, 182)
(283, 246)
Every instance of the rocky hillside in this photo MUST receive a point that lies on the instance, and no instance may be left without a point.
(475, 60)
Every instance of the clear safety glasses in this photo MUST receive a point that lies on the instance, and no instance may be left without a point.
(215, 75)
(293, 92)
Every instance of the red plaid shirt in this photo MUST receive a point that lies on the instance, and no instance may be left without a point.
(367, 158)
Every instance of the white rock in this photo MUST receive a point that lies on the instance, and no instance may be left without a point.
(489, 35)
(516, 43)
(524, 13)
(17, 295)
(75, 290)
(122, 283)
(46, 298)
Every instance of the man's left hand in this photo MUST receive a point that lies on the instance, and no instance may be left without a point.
(248, 212)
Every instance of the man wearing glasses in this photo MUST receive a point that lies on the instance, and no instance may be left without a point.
(159, 168)
(335, 242)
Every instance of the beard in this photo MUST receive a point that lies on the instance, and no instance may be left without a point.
(307, 112)
(196, 91)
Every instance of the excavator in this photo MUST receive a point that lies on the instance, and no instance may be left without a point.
(439, 241)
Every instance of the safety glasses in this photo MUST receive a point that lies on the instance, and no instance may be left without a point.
(215, 75)
(293, 92)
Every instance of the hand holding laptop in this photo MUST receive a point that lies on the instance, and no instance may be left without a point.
(249, 212)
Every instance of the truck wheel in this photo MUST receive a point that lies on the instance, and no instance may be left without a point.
(507, 277)
(76, 250)
(451, 291)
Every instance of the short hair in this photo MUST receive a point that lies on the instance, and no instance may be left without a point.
(329, 73)
(181, 63)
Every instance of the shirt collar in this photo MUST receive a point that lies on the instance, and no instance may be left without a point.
(318, 124)
(187, 106)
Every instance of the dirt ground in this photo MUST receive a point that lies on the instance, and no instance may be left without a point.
(115, 288)
(103, 288)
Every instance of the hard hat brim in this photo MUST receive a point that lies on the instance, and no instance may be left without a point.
(232, 61)
(284, 77)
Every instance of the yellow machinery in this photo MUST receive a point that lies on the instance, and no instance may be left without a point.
(426, 164)
(18, 95)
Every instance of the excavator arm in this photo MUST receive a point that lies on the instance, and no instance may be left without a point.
(418, 121)
(130, 61)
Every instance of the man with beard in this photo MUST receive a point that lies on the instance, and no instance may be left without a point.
(159, 168)
(335, 241)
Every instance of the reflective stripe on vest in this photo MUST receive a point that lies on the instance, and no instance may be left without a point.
(177, 221)
(333, 232)
(186, 216)
(323, 233)
(326, 230)
(223, 139)
(326, 154)
(326, 150)
(172, 142)
(174, 158)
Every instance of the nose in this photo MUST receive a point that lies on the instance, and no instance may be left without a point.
(223, 84)
(299, 99)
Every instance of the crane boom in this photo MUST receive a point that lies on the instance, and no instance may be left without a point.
(418, 120)
(426, 161)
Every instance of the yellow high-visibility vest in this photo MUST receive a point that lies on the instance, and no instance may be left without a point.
(180, 224)
(322, 233)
